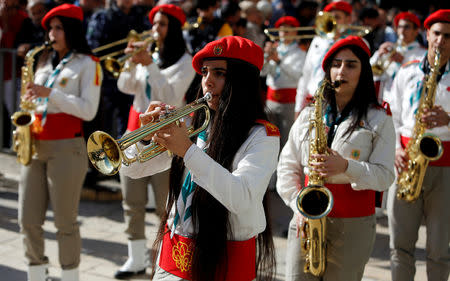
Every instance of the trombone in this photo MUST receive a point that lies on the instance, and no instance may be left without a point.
(107, 154)
(325, 26)
(132, 35)
(115, 65)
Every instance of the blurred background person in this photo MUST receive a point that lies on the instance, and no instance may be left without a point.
(32, 33)
(255, 22)
(11, 20)
(67, 90)
(312, 70)
(106, 26)
(283, 65)
(392, 55)
(164, 77)
(210, 27)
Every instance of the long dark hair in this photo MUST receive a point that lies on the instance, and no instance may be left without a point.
(174, 45)
(364, 96)
(239, 107)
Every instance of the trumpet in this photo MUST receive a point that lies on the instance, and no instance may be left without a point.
(384, 61)
(115, 65)
(325, 26)
(107, 154)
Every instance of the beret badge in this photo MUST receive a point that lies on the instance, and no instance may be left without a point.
(218, 50)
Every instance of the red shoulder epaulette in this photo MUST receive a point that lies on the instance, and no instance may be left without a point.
(410, 62)
(94, 58)
(271, 129)
(385, 107)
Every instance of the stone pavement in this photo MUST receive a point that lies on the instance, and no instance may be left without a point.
(104, 246)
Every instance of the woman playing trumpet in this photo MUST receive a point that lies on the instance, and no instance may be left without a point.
(215, 208)
(164, 76)
(67, 87)
(359, 162)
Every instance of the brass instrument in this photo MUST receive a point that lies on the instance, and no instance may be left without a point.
(22, 138)
(192, 26)
(107, 154)
(325, 26)
(115, 65)
(315, 201)
(132, 35)
(383, 61)
(422, 147)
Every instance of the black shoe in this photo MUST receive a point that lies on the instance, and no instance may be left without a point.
(127, 274)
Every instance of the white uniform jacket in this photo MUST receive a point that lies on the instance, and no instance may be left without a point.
(412, 51)
(312, 72)
(240, 191)
(168, 85)
(369, 151)
(405, 93)
(286, 74)
(76, 90)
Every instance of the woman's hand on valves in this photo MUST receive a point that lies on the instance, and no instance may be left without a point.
(154, 110)
(329, 165)
(36, 91)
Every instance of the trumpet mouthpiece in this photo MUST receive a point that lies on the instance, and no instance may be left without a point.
(207, 96)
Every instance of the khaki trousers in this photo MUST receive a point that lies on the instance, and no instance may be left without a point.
(404, 222)
(55, 174)
(135, 199)
(349, 246)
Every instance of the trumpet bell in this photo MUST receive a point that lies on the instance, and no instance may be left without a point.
(104, 153)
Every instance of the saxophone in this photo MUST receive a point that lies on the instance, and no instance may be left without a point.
(315, 201)
(23, 119)
(422, 147)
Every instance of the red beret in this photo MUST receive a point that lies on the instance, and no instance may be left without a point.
(169, 9)
(63, 10)
(347, 41)
(339, 5)
(438, 16)
(233, 47)
(407, 16)
(287, 20)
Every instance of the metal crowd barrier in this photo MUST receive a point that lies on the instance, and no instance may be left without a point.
(4, 116)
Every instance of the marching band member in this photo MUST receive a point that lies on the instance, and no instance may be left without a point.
(215, 208)
(360, 138)
(312, 71)
(432, 204)
(393, 55)
(165, 79)
(283, 65)
(67, 84)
